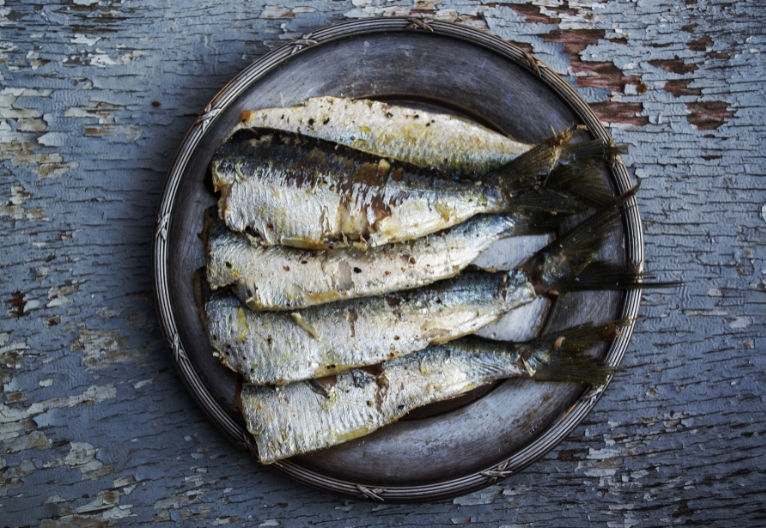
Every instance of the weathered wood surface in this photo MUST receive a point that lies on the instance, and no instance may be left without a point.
(96, 428)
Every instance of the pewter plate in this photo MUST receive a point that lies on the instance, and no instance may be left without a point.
(440, 451)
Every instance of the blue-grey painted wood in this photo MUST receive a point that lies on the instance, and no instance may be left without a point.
(96, 428)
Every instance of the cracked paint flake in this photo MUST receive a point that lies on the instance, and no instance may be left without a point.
(82, 456)
(740, 322)
(103, 348)
(93, 394)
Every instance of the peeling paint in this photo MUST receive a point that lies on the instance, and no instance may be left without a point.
(708, 115)
(740, 322)
(93, 394)
(82, 456)
(680, 87)
(103, 348)
(617, 114)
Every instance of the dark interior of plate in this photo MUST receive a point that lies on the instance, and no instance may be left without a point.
(449, 448)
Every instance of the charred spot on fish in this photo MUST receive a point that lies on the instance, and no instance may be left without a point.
(392, 301)
(228, 264)
(389, 115)
(379, 208)
(396, 338)
(304, 261)
(361, 378)
(357, 270)
(311, 121)
(352, 317)
(327, 120)
(286, 268)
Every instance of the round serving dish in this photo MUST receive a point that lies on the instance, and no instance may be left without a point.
(445, 451)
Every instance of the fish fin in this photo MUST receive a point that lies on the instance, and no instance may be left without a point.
(548, 202)
(580, 338)
(601, 275)
(532, 166)
(575, 369)
(583, 182)
(566, 256)
(588, 152)
(559, 356)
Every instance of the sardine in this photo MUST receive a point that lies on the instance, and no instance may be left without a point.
(278, 347)
(456, 146)
(285, 278)
(305, 416)
(293, 190)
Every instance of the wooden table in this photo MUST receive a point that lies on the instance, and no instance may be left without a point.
(96, 428)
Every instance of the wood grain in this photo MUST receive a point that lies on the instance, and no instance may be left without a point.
(96, 428)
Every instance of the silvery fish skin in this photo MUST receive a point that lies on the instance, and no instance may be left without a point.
(278, 347)
(282, 278)
(459, 147)
(305, 416)
(298, 191)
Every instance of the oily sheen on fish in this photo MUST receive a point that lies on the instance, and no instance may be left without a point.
(285, 278)
(305, 416)
(293, 190)
(278, 347)
(456, 146)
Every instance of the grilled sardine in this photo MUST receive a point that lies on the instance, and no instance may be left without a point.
(278, 347)
(305, 416)
(282, 278)
(456, 146)
(293, 190)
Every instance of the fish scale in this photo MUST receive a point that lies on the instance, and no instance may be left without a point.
(298, 418)
(305, 278)
(457, 146)
(278, 347)
(304, 192)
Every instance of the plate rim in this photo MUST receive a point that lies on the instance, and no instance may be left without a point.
(558, 430)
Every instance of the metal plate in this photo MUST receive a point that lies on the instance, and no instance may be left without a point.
(444, 452)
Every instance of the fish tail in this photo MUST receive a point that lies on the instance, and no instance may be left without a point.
(568, 263)
(560, 166)
(575, 369)
(588, 152)
(585, 183)
(601, 275)
(541, 220)
(564, 258)
(533, 165)
(559, 356)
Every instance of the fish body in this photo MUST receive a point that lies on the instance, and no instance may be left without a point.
(293, 190)
(278, 347)
(456, 146)
(305, 416)
(282, 278)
